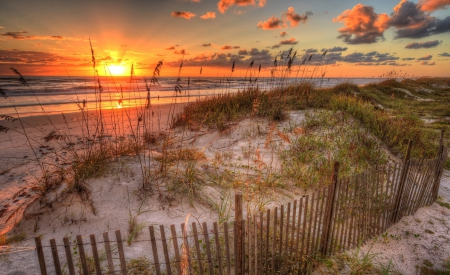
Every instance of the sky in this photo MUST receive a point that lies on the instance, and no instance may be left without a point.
(360, 38)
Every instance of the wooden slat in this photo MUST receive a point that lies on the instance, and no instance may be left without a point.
(385, 192)
(345, 217)
(98, 269)
(274, 240)
(339, 218)
(266, 266)
(186, 246)
(197, 247)
(82, 255)
(297, 242)
(176, 248)
(218, 247)
(69, 256)
(40, 253)
(294, 215)
(165, 249)
(108, 253)
(208, 248)
(396, 215)
(243, 247)
(321, 220)
(286, 242)
(154, 250)
(311, 215)
(55, 257)
(316, 217)
(227, 246)
(123, 263)
(280, 251)
(255, 242)
(261, 241)
(251, 250)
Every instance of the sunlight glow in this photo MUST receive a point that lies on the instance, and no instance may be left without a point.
(116, 69)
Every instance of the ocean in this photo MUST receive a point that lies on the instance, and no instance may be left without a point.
(69, 94)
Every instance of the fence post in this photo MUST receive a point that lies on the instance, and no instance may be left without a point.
(239, 236)
(441, 142)
(401, 184)
(330, 207)
(40, 253)
(439, 167)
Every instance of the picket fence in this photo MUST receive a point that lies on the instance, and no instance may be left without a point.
(284, 240)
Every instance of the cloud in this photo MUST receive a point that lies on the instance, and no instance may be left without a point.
(1, 27)
(271, 23)
(432, 5)
(412, 22)
(22, 35)
(427, 57)
(226, 47)
(206, 45)
(311, 50)
(294, 18)
(34, 57)
(183, 14)
(426, 63)
(170, 48)
(408, 58)
(208, 15)
(224, 5)
(220, 59)
(335, 49)
(183, 52)
(283, 34)
(362, 25)
(290, 41)
(428, 44)
(445, 54)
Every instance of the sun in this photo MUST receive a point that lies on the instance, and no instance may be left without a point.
(116, 69)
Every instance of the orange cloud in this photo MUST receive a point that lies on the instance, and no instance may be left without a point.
(228, 47)
(170, 48)
(183, 52)
(208, 15)
(426, 57)
(362, 25)
(426, 63)
(294, 18)
(272, 23)
(223, 5)
(22, 35)
(291, 41)
(432, 5)
(183, 14)
(283, 34)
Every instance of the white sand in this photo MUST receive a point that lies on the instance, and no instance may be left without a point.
(116, 195)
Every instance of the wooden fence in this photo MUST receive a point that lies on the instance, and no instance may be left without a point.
(284, 240)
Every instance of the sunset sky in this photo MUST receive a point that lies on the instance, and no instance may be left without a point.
(362, 38)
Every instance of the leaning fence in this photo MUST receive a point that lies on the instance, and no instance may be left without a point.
(283, 240)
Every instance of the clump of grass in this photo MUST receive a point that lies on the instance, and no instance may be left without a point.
(139, 266)
(134, 228)
(188, 181)
(15, 238)
(442, 203)
(390, 128)
(332, 136)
